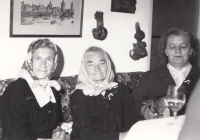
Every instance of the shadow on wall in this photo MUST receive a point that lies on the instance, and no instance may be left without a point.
(112, 64)
(60, 65)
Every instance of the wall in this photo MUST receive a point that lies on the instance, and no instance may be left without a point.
(121, 30)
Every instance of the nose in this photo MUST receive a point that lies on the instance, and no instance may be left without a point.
(43, 64)
(178, 49)
(97, 68)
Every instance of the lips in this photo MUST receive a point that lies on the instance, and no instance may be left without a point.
(178, 56)
(178, 59)
(96, 73)
(42, 70)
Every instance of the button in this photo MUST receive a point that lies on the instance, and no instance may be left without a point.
(49, 111)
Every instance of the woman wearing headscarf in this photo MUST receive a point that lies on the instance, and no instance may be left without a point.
(31, 102)
(102, 109)
(178, 49)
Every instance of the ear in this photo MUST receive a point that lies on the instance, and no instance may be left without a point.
(166, 52)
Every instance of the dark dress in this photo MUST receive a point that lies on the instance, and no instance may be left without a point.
(23, 118)
(102, 117)
(154, 84)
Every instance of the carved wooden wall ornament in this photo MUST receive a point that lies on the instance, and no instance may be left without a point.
(139, 48)
(99, 33)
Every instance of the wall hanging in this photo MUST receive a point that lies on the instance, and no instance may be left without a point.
(125, 6)
(139, 48)
(42, 18)
(99, 33)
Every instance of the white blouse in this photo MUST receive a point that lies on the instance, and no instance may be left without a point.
(179, 76)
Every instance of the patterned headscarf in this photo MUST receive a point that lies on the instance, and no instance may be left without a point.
(40, 87)
(88, 86)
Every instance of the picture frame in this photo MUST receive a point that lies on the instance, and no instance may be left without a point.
(46, 18)
(124, 6)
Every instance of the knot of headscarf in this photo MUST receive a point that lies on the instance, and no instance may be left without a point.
(45, 82)
(96, 89)
(89, 87)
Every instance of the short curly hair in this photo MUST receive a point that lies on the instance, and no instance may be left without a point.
(176, 32)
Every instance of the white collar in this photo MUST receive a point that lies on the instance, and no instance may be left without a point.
(179, 75)
(43, 96)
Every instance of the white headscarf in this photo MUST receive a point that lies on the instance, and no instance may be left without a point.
(40, 88)
(88, 86)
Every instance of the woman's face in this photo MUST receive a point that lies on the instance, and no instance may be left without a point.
(178, 51)
(96, 66)
(43, 60)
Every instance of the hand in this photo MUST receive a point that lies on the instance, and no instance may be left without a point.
(161, 104)
(51, 139)
(153, 108)
(48, 139)
(122, 135)
(147, 113)
(58, 133)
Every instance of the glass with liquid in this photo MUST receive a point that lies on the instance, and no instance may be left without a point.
(175, 98)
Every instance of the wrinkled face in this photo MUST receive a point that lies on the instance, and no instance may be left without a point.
(96, 66)
(43, 60)
(178, 51)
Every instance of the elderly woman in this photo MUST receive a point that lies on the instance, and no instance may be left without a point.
(178, 49)
(31, 101)
(101, 108)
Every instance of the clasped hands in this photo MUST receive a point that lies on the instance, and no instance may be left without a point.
(153, 108)
(58, 134)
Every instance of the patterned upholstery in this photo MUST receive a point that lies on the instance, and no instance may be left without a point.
(4, 84)
(68, 85)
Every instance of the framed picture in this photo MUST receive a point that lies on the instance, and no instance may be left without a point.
(46, 18)
(125, 6)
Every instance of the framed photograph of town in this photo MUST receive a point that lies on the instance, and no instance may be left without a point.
(46, 18)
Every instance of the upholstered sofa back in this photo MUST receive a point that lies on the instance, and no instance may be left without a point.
(68, 86)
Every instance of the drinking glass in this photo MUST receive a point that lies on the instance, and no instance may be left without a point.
(175, 98)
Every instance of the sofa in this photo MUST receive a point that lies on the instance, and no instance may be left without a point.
(68, 84)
